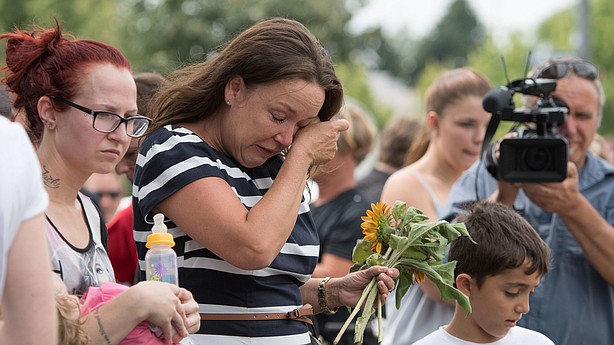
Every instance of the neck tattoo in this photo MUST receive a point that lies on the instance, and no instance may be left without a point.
(49, 180)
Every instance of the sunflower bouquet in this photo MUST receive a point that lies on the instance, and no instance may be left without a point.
(402, 238)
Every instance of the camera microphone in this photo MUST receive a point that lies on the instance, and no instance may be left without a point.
(498, 99)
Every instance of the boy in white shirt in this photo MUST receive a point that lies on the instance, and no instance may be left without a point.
(498, 274)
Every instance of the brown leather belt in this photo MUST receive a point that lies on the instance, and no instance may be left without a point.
(301, 314)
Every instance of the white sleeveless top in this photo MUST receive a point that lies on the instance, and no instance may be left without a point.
(418, 315)
(438, 205)
(81, 268)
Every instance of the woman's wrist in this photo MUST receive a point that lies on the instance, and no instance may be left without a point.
(299, 156)
(328, 296)
(137, 304)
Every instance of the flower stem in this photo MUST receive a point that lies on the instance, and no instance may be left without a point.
(380, 329)
(396, 255)
(363, 320)
(388, 252)
(356, 310)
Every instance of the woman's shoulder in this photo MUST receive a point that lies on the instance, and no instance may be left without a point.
(174, 142)
(403, 181)
(404, 176)
(173, 133)
(408, 187)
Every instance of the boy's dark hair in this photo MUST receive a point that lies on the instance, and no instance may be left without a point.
(504, 239)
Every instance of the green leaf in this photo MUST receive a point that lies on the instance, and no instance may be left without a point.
(462, 229)
(386, 229)
(414, 253)
(449, 292)
(415, 215)
(398, 209)
(357, 267)
(442, 276)
(426, 244)
(420, 266)
(362, 250)
(402, 285)
(435, 237)
(419, 230)
(439, 253)
(446, 271)
(439, 230)
(397, 242)
(375, 259)
(450, 232)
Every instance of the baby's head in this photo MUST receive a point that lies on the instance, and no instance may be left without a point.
(70, 324)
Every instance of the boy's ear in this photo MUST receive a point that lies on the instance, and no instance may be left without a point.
(465, 283)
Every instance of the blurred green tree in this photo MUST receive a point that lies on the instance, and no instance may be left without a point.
(172, 32)
(456, 35)
(161, 35)
(82, 18)
(560, 31)
(557, 31)
(602, 26)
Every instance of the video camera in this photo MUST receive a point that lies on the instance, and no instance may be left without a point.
(535, 153)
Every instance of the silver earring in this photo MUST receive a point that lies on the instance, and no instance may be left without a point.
(228, 101)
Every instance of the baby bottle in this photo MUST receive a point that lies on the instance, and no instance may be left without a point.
(161, 262)
(161, 259)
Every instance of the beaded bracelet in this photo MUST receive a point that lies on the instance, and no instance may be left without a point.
(322, 298)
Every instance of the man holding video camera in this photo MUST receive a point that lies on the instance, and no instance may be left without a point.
(574, 303)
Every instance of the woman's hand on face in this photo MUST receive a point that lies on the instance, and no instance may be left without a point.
(163, 308)
(318, 141)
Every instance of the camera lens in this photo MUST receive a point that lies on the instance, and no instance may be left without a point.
(537, 158)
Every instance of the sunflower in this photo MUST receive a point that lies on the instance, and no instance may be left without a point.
(375, 224)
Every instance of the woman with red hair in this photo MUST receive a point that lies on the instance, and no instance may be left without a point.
(78, 99)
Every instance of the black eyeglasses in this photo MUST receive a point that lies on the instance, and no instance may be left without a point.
(107, 122)
(559, 69)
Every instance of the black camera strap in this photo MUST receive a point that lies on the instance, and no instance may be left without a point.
(490, 132)
(489, 157)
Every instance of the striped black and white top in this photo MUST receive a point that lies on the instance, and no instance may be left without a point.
(171, 158)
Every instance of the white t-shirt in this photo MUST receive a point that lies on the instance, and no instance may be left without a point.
(22, 195)
(516, 336)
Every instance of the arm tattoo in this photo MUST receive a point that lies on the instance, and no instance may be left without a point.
(101, 328)
(49, 180)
